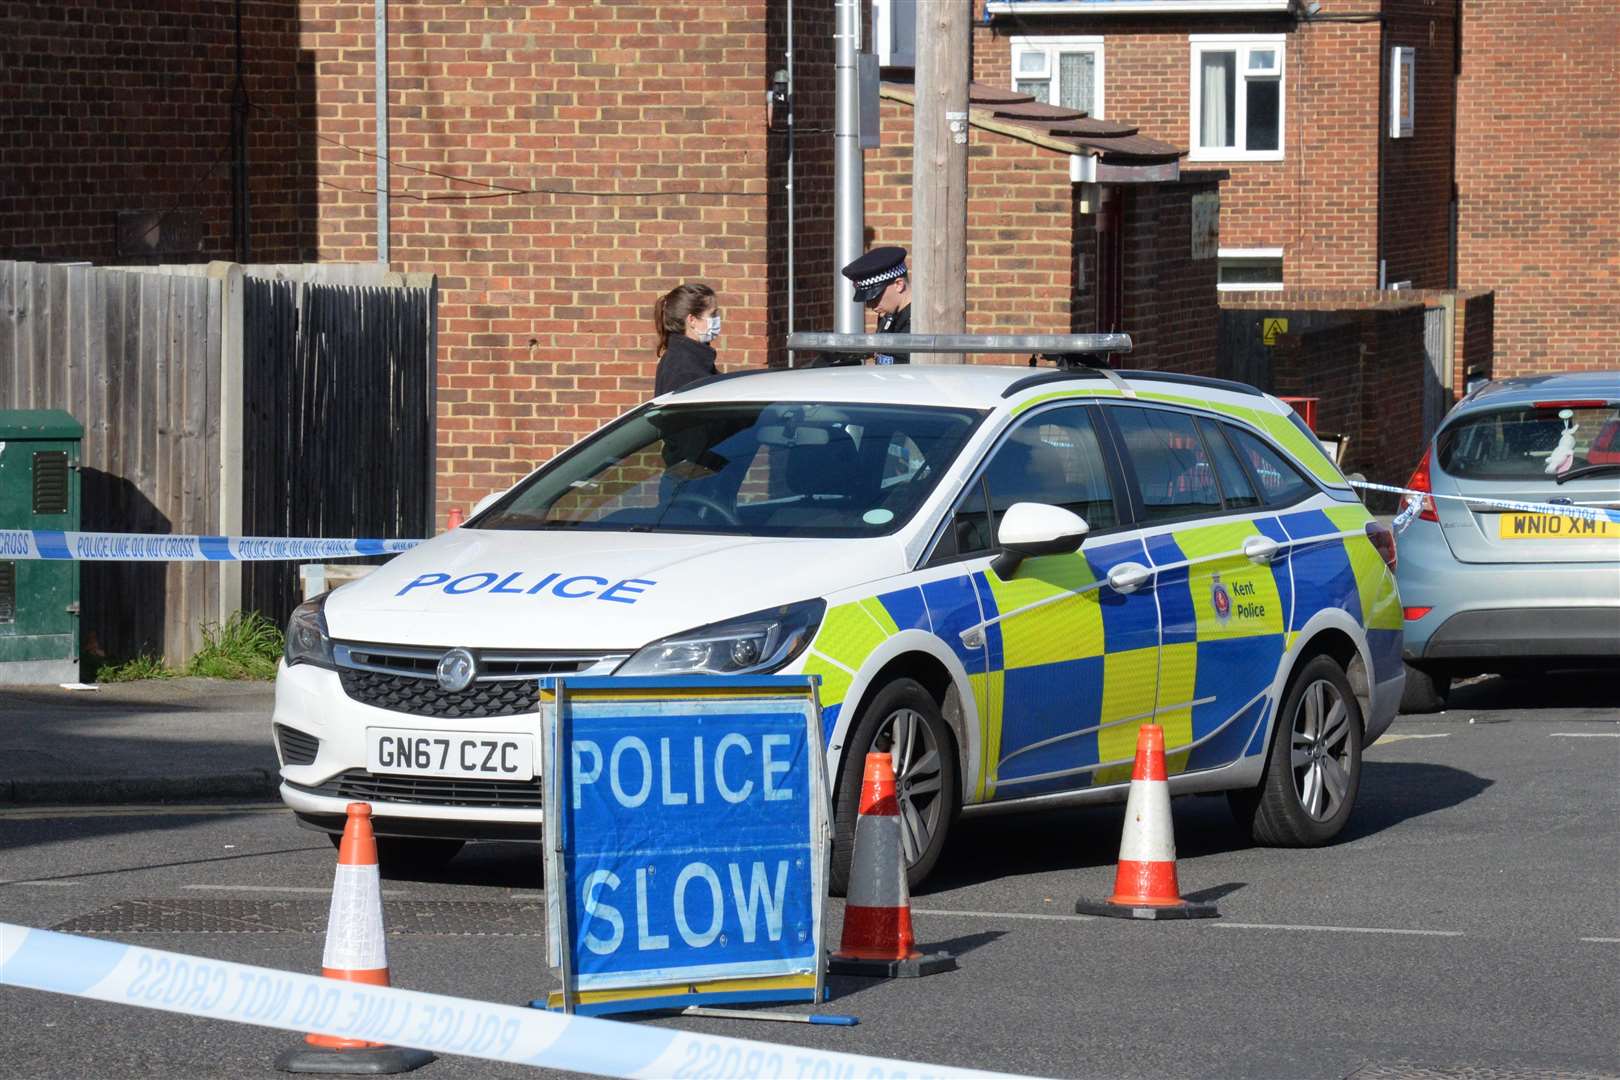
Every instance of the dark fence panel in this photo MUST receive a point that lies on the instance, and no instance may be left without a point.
(338, 420)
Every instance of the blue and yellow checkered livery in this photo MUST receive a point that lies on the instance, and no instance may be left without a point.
(1062, 669)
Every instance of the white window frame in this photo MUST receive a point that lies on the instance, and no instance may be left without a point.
(1051, 47)
(1242, 45)
(1247, 253)
(1402, 91)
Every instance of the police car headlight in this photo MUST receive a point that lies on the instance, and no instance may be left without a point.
(307, 640)
(761, 642)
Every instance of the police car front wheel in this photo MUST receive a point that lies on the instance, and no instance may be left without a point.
(1314, 769)
(904, 718)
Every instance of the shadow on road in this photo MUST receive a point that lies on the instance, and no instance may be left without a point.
(984, 849)
(1572, 689)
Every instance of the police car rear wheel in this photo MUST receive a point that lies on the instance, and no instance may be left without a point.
(904, 717)
(1314, 772)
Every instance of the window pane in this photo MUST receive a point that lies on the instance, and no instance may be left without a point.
(1031, 63)
(1263, 60)
(1235, 484)
(1264, 107)
(1054, 459)
(968, 532)
(1280, 482)
(1035, 87)
(1522, 442)
(1258, 270)
(1077, 80)
(1217, 99)
(1173, 477)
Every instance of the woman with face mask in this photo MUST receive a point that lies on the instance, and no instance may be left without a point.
(688, 320)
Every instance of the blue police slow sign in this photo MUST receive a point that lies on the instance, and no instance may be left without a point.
(686, 829)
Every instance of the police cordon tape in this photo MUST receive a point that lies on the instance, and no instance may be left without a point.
(21, 544)
(151, 547)
(223, 990)
(1414, 499)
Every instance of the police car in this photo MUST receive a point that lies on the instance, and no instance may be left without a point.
(998, 574)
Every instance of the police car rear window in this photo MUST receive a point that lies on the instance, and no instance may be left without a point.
(800, 469)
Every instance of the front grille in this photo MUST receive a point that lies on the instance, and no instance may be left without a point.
(403, 679)
(297, 747)
(363, 786)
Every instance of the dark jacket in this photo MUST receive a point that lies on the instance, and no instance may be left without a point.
(898, 323)
(684, 361)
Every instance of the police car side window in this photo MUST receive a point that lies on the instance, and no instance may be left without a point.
(1235, 485)
(1053, 458)
(1174, 477)
(1280, 483)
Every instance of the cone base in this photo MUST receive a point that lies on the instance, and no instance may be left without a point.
(911, 967)
(367, 1061)
(1181, 909)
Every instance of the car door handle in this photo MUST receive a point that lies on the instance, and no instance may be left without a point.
(1260, 549)
(1127, 577)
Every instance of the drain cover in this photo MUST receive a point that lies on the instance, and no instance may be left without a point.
(438, 918)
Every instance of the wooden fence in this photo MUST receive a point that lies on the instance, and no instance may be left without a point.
(150, 360)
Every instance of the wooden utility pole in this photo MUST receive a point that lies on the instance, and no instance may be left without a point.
(939, 174)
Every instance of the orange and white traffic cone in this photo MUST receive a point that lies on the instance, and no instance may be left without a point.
(1145, 884)
(877, 939)
(355, 952)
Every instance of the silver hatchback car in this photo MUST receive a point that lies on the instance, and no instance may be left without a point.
(1492, 590)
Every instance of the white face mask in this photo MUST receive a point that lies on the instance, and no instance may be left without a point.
(713, 329)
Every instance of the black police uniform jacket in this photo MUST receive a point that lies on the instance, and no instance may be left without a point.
(898, 323)
(684, 361)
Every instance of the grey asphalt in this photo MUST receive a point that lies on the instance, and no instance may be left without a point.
(1466, 925)
(156, 741)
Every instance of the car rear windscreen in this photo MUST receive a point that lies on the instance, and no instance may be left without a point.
(1550, 441)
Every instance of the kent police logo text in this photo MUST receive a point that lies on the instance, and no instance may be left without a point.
(529, 583)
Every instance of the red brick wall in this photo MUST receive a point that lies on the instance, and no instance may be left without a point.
(125, 105)
(1021, 224)
(1538, 174)
(635, 137)
(814, 118)
(1171, 309)
(1417, 169)
(1320, 203)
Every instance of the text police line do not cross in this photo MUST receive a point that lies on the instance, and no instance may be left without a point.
(765, 887)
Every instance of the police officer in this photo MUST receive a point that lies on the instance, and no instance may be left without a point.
(881, 283)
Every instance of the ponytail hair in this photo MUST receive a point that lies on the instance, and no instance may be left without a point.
(672, 309)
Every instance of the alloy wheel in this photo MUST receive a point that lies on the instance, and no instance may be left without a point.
(915, 754)
(1320, 752)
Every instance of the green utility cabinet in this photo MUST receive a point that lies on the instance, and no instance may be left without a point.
(39, 599)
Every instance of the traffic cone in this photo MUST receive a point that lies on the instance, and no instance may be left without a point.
(453, 519)
(877, 939)
(355, 952)
(1145, 882)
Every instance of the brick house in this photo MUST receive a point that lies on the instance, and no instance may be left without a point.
(1371, 143)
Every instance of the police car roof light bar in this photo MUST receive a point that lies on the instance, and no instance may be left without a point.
(1054, 344)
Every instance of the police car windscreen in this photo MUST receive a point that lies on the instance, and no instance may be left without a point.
(749, 469)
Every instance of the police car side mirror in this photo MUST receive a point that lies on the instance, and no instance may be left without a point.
(1031, 529)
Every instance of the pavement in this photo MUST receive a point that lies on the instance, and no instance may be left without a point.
(160, 740)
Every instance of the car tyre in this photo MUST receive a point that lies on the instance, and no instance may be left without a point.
(411, 852)
(1426, 690)
(1314, 768)
(904, 716)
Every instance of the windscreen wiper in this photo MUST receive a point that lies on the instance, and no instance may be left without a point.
(1588, 470)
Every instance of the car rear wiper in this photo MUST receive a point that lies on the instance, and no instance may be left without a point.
(1587, 470)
